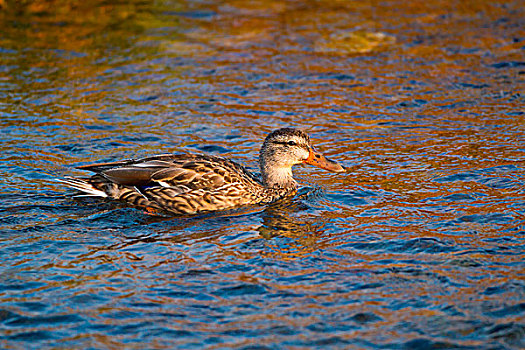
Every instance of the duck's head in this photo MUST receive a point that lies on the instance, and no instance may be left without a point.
(284, 148)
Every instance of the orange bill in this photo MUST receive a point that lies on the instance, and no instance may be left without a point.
(320, 161)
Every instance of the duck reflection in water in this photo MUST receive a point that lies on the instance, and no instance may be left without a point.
(280, 220)
(281, 235)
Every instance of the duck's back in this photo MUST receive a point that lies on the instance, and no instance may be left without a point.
(181, 184)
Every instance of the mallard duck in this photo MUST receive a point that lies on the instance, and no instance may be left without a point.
(191, 184)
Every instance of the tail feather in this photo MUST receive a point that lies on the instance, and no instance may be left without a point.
(83, 186)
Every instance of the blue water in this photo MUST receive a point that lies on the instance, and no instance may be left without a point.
(418, 246)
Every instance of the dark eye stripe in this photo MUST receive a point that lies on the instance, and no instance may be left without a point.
(287, 143)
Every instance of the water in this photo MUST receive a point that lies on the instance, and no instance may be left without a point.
(419, 245)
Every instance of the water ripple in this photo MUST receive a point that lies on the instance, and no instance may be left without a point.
(417, 246)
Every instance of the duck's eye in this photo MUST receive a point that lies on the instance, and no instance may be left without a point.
(292, 143)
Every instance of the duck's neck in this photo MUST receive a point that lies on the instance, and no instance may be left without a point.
(275, 176)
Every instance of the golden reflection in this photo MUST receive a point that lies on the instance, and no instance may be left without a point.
(353, 43)
(86, 20)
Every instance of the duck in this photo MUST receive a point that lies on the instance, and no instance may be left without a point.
(187, 184)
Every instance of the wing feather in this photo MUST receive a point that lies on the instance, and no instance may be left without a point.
(177, 183)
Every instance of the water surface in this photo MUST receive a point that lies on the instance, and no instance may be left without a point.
(419, 245)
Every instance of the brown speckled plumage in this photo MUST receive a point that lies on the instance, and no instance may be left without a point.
(190, 184)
